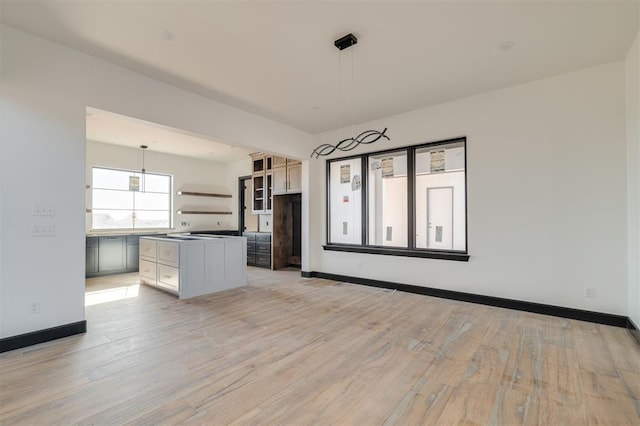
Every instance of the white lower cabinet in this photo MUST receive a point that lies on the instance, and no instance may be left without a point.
(195, 266)
(148, 249)
(148, 270)
(169, 277)
(169, 253)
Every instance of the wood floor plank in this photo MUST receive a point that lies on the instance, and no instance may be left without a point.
(292, 350)
(607, 400)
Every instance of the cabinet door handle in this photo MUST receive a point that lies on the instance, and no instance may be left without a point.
(167, 253)
(167, 276)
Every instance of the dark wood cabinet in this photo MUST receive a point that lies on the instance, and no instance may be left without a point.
(287, 231)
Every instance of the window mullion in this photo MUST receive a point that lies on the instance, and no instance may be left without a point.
(411, 202)
(364, 188)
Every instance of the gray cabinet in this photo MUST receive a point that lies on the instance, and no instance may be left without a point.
(133, 253)
(258, 249)
(112, 254)
(91, 251)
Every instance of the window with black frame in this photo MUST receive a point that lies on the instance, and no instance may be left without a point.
(345, 199)
(387, 199)
(123, 199)
(407, 202)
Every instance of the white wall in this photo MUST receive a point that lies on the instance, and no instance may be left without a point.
(557, 226)
(546, 193)
(45, 91)
(632, 67)
(189, 174)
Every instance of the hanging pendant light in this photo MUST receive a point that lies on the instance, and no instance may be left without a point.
(366, 137)
(144, 148)
(136, 183)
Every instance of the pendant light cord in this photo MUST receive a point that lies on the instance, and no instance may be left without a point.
(339, 94)
(353, 98)
(142, 186)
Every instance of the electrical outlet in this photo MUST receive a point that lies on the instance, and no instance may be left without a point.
(35, 308)
(589, 292)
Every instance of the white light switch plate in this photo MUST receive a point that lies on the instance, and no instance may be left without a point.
(44, 230)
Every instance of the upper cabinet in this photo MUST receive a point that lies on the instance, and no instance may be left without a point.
(262, 184)
(273, 175)
(287, 177)
(278, 162)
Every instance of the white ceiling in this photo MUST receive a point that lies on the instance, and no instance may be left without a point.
(277, 59)
(107, 127)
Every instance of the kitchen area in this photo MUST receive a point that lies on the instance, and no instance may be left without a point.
(273, 194)
(187, 224)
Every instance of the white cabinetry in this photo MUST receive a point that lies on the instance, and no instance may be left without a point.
(148, 271)
(193, 266)
(159, 264)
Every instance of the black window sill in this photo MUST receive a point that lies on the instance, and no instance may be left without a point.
(428, 254)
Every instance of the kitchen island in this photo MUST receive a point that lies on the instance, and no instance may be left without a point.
(190, 265)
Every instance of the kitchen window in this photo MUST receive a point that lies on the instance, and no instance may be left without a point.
(406, 202)
(123, 199)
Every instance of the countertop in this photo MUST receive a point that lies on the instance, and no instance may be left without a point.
(152, 232)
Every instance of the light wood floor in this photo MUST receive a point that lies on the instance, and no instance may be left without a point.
(295, 351)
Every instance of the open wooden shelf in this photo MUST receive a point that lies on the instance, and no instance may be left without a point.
(204, 194)
(201, 212)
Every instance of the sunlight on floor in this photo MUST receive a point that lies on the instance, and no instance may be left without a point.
(111, 295)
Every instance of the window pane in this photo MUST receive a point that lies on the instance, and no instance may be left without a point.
(152, 201)
(115, 200)
(157, 183)
(345, 189)
(112, 219)
(111, 179)
(387, 199)
(440, 197)
(152, 219)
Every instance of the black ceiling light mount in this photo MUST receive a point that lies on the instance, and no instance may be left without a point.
(366, 137)
(346, 41)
